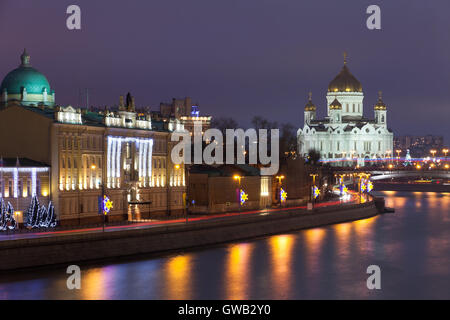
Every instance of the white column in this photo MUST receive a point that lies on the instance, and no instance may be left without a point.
(150, 164)
(144, 160)
(33, 182)
(118, 163)
(108, 163)
(113, 162)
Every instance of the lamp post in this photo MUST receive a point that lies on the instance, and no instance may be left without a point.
(280, 178)
(433, 152)
(398, 155)
(389, 154)
(238, 178)
(360, 175)
(445, 151)
(313, 175)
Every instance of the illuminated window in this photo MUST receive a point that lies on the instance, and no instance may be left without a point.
(264, 186)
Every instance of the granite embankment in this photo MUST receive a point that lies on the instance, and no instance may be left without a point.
(72, 248)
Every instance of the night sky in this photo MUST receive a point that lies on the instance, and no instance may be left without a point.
(240, 58)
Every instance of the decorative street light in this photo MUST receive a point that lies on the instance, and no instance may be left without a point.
(314, 190)
(433, 152)
(280, 181)
(398, 155)
(239, 191)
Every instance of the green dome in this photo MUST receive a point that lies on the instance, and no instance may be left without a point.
(25, 77)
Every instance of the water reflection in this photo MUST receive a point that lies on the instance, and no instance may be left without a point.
(94, 283)
(313, 241)
(280, 260)
(178, 277)
(237, 272)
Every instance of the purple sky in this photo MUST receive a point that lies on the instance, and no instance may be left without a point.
(240, 58)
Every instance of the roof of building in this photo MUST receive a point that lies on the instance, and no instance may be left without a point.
(90, 118)
(345, 81)
(25, 77)
(21, 162)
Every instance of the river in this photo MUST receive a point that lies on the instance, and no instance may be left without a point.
(411, 247)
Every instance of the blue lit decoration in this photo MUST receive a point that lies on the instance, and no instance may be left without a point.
(369, 186)
(195, 112)
(7, 219)
(243, 197)
(316, 192)
(37, 216)
(363, 186)
(107, 205)
(343, 189)
(283, 195)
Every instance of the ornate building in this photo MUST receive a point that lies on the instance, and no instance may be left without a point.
(84, 154)
(345, 136)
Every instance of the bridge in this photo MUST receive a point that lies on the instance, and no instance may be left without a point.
(382, 174)
(393, 174)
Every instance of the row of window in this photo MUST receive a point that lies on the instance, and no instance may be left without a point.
(347, 108)
(367, 145)
(87, 162)
(87, 142)
(23, 188)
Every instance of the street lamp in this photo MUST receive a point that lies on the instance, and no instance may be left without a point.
(238, 192)
(433, 152)
(398, 155)
(389, 153)
(280, 178)
(313, 175)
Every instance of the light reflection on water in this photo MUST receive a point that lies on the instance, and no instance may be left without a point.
(412, 247)
(237, 278)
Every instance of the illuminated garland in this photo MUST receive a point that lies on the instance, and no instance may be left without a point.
(243, 197)
(7, 220)
(316, 192)
(37, 216)
(283, 195)
(107, 205)
(344, 189)
(369, 186)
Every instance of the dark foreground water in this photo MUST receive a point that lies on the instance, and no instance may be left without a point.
(411, 246)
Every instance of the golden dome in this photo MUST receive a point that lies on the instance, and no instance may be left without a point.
(380, 104)
(310, 105)
(335, 105)
(345, 81)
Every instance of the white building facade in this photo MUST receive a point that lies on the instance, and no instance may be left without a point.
(344, 137)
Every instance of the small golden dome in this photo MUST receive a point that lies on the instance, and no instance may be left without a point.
(335, 105)
(310, 105)
(380, 105)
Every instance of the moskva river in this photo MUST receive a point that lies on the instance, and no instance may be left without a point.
(411, 248)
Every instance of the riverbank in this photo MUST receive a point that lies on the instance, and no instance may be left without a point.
(72, 248)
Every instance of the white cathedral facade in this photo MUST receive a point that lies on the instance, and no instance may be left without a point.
(345, 137)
